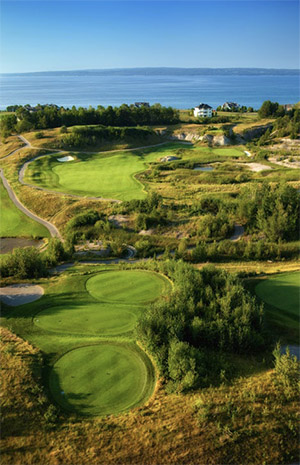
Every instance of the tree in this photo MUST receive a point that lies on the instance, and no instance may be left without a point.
(182, 365)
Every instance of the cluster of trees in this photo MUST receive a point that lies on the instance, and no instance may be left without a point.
(51, 116)
(215, 226)
(208, 313)
(288, 125)
(25, 263)
(87, 136)
(254, 249)
(272, 210)
(271, 109)
(241, 109)
(152, 202)
(87, 226)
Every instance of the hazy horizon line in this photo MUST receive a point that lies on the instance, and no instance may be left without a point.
(153, 68)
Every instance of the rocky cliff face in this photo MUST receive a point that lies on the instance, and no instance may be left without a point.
(253, 133)
(219, 139)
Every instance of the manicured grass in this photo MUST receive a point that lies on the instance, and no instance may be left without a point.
(110, 175)
(93, 175)
(14, 223)
(85, 337)
(130, 287)
(90, 318)
(282, 294)
(100, 379)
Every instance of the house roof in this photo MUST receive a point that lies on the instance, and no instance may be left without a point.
(204, 106)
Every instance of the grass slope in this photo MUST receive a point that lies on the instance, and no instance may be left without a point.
(14, 223)
(281, 293)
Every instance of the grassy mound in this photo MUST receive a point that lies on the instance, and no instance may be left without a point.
(14, 223)
(89, 318)
(282, 293)
(101, 379)
(129, 287)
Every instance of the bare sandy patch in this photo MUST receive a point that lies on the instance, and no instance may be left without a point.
(286, 163)
(257, 167)
(65, 159)
(20, 294)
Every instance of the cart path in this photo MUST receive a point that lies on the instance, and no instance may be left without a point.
(60, 152)
(51, 228)
(238, 232)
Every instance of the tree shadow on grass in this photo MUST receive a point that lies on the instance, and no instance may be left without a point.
(65, 400)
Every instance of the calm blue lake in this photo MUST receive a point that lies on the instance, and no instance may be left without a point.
(177, 91)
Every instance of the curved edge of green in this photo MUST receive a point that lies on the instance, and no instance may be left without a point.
(147, 392)
(167, 283)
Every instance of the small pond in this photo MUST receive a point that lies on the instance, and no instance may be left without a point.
(203, 168)
(7, 244)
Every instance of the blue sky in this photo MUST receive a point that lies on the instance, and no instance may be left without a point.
(65, 35)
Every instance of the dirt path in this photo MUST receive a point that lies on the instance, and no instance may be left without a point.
(51, 228)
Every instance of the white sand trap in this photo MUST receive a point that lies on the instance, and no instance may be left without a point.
(20, 294)
(257, 167)
(67, 158)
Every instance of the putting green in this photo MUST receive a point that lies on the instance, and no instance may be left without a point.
(282, 292)
(90, 318)
(130, 287)
(101, 379)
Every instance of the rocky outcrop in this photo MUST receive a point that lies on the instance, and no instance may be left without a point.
(219, 139)
(252, 133)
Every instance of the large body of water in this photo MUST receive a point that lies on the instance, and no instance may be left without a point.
(171, 90)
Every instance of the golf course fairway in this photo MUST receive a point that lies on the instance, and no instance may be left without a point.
(282, 293)
(102, 379)
(14, 223)
(107, 176)
(130, 287)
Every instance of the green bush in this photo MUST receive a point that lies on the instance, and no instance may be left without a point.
(24, 263)
(287, 372)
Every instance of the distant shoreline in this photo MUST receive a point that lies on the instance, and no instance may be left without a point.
(167, 71)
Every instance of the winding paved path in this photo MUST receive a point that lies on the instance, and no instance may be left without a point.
(50, 226)
(57, 152)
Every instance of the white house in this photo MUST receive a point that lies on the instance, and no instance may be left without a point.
(232, 106)
(203, 110)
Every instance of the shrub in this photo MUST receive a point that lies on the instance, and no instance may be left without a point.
(24, 263)
(287, 372)
(39, 135)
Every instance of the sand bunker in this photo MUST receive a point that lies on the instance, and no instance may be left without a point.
(20, 294)
(67, 158)
(257, 167)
